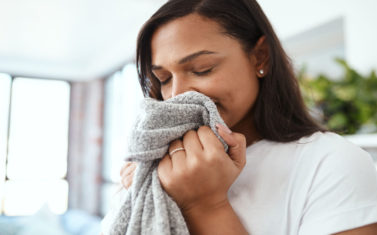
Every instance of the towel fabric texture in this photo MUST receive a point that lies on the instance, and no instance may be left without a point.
(148, 209)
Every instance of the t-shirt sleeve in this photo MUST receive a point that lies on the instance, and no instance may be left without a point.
(343, 194)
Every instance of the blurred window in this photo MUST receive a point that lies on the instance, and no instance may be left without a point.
(5, 87)
(36, 160)
(122, 97)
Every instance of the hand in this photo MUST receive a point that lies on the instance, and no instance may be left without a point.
(127, 174)
(201, 175)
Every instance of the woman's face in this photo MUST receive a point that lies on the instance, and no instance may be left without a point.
(193, 54)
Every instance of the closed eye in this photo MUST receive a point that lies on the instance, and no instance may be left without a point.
(165, 82)
(202, 73)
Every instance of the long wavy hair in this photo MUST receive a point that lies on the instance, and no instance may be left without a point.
(279, 113)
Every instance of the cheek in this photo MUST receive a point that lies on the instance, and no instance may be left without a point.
(238, 97)
(247, 93)
(164, 94)
(239, 89)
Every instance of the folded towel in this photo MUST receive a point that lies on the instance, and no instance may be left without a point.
(148, 209)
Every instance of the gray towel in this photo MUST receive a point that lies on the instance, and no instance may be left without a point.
(148, 209)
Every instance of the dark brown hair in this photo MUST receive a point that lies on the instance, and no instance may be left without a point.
(279, 112)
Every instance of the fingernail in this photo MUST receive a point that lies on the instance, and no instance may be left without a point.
(223, 128)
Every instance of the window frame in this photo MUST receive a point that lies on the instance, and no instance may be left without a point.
(110, 187)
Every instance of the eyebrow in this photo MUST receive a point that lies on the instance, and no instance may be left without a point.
(188, 58)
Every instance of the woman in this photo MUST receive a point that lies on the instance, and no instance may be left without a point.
(283, 174)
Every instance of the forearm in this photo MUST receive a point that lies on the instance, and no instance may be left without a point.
(219, 220)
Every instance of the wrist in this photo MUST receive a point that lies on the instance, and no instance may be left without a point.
(213, 218)
(206, 207)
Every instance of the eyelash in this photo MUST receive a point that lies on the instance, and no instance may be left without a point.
(162, 83)
(203, 73)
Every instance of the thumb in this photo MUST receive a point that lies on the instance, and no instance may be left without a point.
(236, 143)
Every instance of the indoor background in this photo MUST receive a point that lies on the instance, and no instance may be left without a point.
(69, 94)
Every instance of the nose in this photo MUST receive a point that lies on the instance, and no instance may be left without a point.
(179, 86)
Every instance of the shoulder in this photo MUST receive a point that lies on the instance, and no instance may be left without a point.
(341, 181)
(321, 159)
(318, 147)
(328, 142)
(331, 184)
(321, 150)
(333, 150)
(329, 158)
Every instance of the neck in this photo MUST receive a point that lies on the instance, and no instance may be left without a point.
(247, 128)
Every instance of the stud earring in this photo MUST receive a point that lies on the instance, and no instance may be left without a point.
(261, 71)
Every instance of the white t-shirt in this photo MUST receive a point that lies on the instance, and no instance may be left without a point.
(317, 185)
(320, 184)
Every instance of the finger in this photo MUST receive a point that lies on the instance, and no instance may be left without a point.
(127, 182)
(191, 143)
(125, 166)
(178, 157)
(164, 168)
(236, 143)
(209, 140)
(129, 170)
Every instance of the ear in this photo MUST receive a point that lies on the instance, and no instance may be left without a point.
(261, 56)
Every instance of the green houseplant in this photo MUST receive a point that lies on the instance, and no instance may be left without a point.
(345, 105)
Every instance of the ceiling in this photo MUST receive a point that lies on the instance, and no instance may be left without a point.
(76, 40)
(81, 40)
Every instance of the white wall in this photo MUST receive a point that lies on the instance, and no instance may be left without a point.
(70, 40)
(291, 17)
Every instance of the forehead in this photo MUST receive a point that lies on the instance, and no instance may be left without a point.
(186, 35)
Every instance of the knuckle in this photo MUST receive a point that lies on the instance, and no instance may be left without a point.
(242, 161)
(161, 163)
(167, 182)
(180, 175)
(125, 183)
(212, 164)
(128, 184)
(213, 158)
(127, 167)
(132, 168)
(241, 139)
(122, 169)
(127, 180)
(188, 134)
(212, 153)
(174, 144)
(195, 163)
(128, 172)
